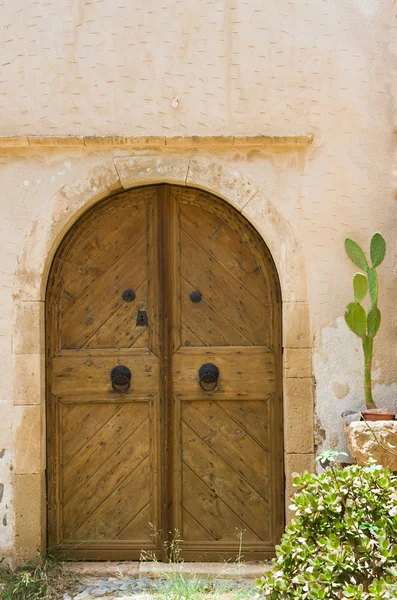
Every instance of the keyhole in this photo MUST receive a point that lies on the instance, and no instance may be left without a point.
(141, 319)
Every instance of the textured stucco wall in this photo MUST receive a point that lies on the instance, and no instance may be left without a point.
(190, 67)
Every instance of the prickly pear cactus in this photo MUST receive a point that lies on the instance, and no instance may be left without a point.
(365, 325)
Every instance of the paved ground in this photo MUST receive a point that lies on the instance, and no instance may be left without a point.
(111, 588)
(144, 581)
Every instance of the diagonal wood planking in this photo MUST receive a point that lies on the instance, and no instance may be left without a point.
(223, 291)
(207, 322)
(224, 244)
(104, 297)
(230, 442)
(102, 445)
(225, 482)
(103, 239)
(121, 506)
(120, 330)
(80, 424)
(204, 506)
(110, 474)
(252, 416)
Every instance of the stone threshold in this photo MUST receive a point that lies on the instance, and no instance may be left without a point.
(162, 142)
(156, 570)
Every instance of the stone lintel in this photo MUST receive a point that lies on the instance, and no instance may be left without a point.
(192, 142)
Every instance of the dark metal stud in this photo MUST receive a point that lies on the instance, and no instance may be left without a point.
(120, 377)
(141, 319)
(196, 297)
(208, 377)
(128, 295)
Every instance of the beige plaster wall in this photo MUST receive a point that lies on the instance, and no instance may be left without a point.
(200, 68)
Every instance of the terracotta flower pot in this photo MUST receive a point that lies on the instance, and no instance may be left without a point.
(378, 415)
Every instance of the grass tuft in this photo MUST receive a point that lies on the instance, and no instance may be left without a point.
(176, 587)
(41, 579)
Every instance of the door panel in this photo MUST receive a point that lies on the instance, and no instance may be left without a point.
(104, 460)
(87, 372)
(243, 372)
(163, 280)
(228, 475)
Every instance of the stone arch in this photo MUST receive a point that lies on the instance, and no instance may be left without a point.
(58, 214)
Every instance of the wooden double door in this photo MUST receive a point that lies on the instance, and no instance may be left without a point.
(164, 382)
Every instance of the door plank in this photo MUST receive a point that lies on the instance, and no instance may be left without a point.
(188, 338)
(252, 416)
(104, 297)
(101, 247)
(193, 530)
(224, 292)
(244, 372)
(123, 504)
(142, 341)
(225, 246)
(81, 424)
(207, 322)
(121, 329)
(230, 442)
(88, 372)
(93, 490)
(245, 502)
(227, 214)
(100, 447)
(210, 510)
(139, 528)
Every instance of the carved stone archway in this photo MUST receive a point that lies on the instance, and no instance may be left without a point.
(57, 215)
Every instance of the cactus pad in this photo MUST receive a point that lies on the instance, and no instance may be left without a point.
(378, 249)
(356, 319)
(360, 287)
(356, 255)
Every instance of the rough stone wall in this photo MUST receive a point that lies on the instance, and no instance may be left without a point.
(189, 67)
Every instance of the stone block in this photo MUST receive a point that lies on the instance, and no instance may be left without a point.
(274, 228)
(295, 463)
(372, 441)
(299, 415)
(28, 438)
(28, 336)
(296, 325)
(5, 428)
(224, 180)
(28, 377)
(152, 169)
(100, 181)
(297, 362)
(29, 511)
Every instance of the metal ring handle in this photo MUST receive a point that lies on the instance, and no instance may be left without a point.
(208, 377)
(120, 377)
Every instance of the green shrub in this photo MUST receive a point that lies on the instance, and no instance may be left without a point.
(343, 541)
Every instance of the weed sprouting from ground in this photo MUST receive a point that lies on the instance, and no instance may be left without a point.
(171, 547)
(42, 579)
(240, 534)
(176, 587)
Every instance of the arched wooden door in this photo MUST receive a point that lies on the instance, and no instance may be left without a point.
(162, 280)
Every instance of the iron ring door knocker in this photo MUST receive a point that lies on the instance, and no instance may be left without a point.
(208, 377)
(120, 377)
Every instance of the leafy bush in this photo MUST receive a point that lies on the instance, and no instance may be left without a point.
(343, 541)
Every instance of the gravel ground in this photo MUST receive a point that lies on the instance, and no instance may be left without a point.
(125, 588)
